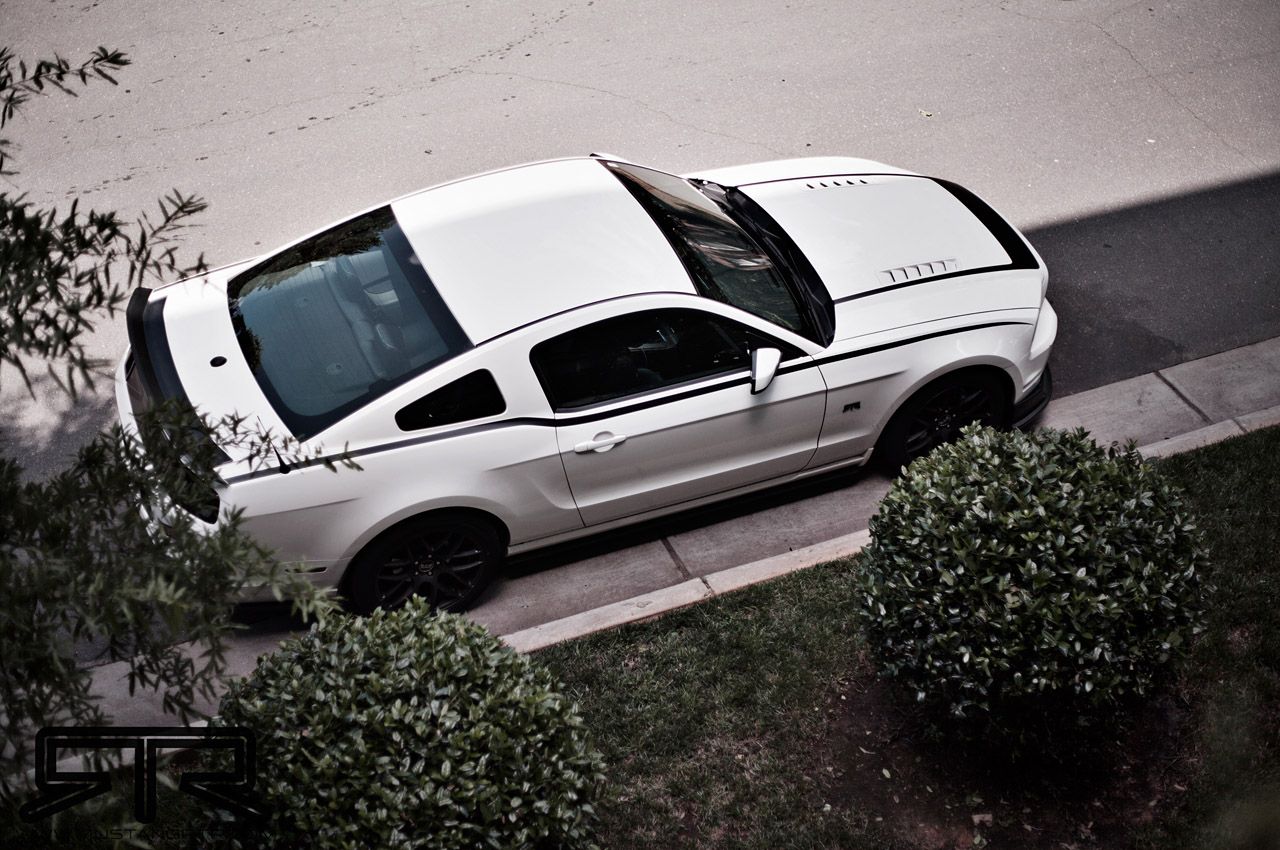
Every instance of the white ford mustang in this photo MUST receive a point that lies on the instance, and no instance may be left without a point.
(547, 351)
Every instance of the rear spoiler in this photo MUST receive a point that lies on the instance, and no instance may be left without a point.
(133, 317)
(150, 346)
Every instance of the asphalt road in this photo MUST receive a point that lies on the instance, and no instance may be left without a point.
(1136, 142)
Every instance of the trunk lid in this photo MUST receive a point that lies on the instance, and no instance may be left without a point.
(177, 333)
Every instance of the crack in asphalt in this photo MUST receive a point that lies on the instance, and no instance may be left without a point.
(500, 52)
(1148, 74)
(629, 99)
(1155, 78)
(372, 95)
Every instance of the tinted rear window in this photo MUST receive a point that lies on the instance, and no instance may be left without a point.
(339, 319)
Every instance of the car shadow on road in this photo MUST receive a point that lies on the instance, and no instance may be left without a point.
(1148, 286)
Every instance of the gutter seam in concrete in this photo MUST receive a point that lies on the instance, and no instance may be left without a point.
(1159, 373)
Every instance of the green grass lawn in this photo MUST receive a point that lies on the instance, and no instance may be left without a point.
(755, 721)
(1233, 677)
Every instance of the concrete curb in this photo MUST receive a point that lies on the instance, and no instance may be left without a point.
(649, 606)
(633, 610)
(1260, 419)
(1209, 434)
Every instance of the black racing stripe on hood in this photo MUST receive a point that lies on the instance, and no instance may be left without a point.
(1020, 255)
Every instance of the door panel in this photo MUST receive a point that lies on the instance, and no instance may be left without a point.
(655, 408)
(719, 439)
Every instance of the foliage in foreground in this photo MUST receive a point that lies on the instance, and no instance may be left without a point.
(1017, 580)
(715, 721)
(80, 564)
(413, 729)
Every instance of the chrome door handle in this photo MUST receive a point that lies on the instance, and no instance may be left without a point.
(602, 443)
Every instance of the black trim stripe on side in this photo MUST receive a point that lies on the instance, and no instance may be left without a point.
(875, 349)
(808, 363)
(596, 416)
(656, 401)
(392, 446)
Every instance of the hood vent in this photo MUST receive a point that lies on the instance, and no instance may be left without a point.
(835, 183)
(903, 274)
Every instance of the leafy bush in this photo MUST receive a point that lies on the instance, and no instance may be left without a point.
(1018, 579)
(412, 729)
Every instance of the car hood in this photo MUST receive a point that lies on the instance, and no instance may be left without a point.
(864, 233)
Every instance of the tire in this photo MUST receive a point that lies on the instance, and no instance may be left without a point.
(448, 559)
(937, 412)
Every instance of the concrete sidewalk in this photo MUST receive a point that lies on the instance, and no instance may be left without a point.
(639, 574)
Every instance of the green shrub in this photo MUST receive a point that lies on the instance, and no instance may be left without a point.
(412, 729)
(1015, 580)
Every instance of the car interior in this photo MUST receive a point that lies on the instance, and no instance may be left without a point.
(638, 352)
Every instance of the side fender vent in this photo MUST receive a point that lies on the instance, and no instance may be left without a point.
(902, 274)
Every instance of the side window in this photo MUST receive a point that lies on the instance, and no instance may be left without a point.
(643, 351)
(472, 397)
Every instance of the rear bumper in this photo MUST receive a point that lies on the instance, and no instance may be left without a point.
(1034, 402)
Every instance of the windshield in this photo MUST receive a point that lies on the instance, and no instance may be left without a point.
(339, 319)
(722, 259)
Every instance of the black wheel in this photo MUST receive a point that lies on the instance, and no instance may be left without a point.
(936, 413)
(449, 560)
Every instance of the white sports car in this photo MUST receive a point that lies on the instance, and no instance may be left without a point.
(547, 351)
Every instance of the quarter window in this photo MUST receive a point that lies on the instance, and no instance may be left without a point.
(644, 351)
(473, 397)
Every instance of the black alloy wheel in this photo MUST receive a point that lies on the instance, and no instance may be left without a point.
(936, 413)
(448, 560)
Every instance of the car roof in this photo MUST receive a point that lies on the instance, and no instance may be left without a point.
(509, 248)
